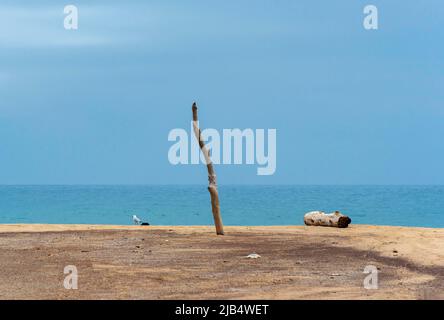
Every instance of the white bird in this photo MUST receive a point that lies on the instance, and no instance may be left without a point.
(138, 221)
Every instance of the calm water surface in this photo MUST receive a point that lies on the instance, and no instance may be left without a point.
(240, 205)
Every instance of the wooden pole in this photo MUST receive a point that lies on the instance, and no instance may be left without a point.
(212, 186)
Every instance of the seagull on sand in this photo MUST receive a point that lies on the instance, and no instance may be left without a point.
(138, 221)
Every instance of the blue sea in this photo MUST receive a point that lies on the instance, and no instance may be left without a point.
(240, 205)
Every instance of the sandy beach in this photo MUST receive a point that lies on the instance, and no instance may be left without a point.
(181, 262)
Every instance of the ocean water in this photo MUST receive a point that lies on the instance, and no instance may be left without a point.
(240, 205)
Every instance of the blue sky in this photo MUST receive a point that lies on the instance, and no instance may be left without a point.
(95, 105)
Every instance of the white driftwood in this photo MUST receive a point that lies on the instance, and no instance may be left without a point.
(319, 218)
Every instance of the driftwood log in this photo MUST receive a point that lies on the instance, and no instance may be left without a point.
(319, 218)
(212, 186)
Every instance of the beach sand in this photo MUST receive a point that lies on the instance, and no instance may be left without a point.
(181, 262)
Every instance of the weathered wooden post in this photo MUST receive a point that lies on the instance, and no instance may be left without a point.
(212, 186)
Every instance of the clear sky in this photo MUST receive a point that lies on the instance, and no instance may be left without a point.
(95, 105)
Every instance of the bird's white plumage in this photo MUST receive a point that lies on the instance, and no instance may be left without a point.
(136, 219)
